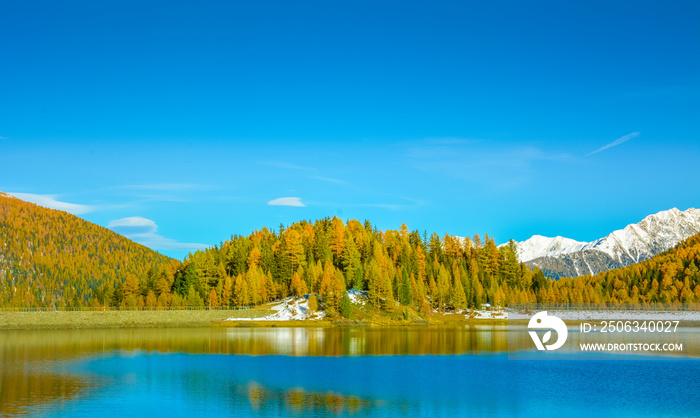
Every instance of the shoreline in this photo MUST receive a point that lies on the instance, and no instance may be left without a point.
(238, 319)
(116, 319)
(203, 318)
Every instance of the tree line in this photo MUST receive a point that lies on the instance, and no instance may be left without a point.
(60, 260)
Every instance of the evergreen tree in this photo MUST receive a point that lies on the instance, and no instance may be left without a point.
(313, 302)
(405, 295)
(345, 305)
(193, 298)
(459, 299)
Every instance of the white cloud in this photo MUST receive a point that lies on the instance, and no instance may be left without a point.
(616, 142)
(49, 201)
(133, 224)
(286, 201)
(143, 231)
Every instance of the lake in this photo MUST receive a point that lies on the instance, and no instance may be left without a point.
(277, 372)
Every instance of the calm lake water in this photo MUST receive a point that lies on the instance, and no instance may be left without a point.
(277, 372)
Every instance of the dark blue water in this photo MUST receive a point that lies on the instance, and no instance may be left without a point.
(185, 385)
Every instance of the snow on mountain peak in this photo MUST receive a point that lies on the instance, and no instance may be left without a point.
(540, 246)
(635, 242)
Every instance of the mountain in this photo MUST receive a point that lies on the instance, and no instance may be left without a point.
(560, 257)
(52, 258)
(669, 277)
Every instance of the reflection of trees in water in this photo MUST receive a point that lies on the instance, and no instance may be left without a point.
(22, 393)
(237, 388)
(370, 341)
(29, 359)
(297, 400)
(67, 344)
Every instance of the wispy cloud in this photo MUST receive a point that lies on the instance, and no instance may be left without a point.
(143, 231)
(330, 180)
(412, 203)
(500, 166)
(451, 141)
(379, 205)
(169, 187)
(49, 201)
(286, 201)
(282, 164)
(616, 142)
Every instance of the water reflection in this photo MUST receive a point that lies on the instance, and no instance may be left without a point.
(318, 371)
(367, 341)
(16, 346)
(298, 400)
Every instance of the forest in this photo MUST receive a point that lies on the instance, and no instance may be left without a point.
(55, 259)
(52, 258)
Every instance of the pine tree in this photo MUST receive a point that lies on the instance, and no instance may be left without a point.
(295, 248)
(213, 299)
(373, 282)
(433, 291)
(151, 301)
(131, 287)
(459, 299)
(227, 292)
(443, 287)
(337, 238)
(345, 305)
(313, 302)
(298, 286)
(193, 298)
(351, 257)
(326, 280)
(405, 295)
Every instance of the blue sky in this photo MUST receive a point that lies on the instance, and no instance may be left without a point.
(179, 123)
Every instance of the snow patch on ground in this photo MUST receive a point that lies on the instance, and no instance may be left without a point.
(490, 314)
(290, 309)
(357, 297)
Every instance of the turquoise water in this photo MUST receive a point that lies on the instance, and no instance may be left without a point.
(147, 381)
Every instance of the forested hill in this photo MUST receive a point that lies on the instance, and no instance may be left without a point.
(52, 258)
(430, 273)
(672, 276)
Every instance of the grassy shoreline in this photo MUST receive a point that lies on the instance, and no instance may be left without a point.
(203, 318)
(120, 319)
(226, 319)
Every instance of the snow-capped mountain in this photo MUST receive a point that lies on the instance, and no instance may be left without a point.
(539, 246)
(559, 256)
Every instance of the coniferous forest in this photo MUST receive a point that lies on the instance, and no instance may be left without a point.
(51, 258)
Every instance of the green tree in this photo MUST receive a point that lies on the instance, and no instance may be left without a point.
(345, 305)
(405, 295)
(313, 302)
(193, 298)
(459, 299)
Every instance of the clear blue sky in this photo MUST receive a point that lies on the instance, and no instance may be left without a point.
(177, 123)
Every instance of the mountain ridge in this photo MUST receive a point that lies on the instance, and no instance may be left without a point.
(49, 257)
(559, 256)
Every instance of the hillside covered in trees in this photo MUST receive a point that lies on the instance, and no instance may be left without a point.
(52, 258)
(409, 268)
(672, 276)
